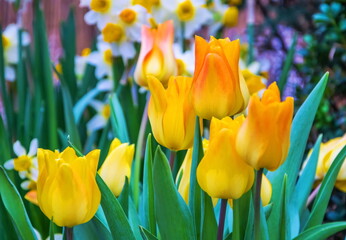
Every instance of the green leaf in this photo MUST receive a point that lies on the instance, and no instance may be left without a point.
(321, 202)
(322, 232)
(148, 189)
(244, 208)
(15, 207)
(169, 203)
(117, 221)
(118, 121)
(68, 42)
(287, 65)
(6, 226)
(300, 130)
(5, 149)
(306, 179)
(44, 75)
(209, 225)
(284, 223)
(195, 191)
(146, 235)
(72, 129)
(124, 197)
(83, 102)
(94, 229)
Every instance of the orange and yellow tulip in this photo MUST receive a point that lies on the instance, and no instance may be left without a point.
(67, 191)
(264, 138)
(222, 173)
(156, 56)
(170, 112)
(218, 88)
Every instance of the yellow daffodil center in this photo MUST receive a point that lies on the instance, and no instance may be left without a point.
(128, 15)
(112, 32)
(108, 56)
(58, 68)
(230, 18)
(101, 6)
(22, 163)
(106, 111)
(185, 11)
(181, 66)
(85, 52)
(5, 42)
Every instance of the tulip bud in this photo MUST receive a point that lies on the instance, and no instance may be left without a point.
(117, 166)
(218, 88)
(67, 191)
(328, 153)
(156, 56)
(264, 138)
(222, 173)
(170, 112)
(183, 176)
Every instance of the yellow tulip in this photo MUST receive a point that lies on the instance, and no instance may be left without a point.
(67, 191)
(117, 165)
(264, 138)
(328, 153)
(266, 192)
(184, 173)
(222, 173)
(156, 56)
(218, 88)
(171, 114)
(253, 82)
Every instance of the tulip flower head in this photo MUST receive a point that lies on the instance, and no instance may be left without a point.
(222, 173)
(171, 114)
(67, 191)
(156, 56)
(264, 138)
(117, 165)
(218, 88)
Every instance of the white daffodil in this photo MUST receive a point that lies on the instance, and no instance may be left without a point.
(25, 163)
(185, 60)
(10, 43)
(100, 120)
(102, 11)
(132, 18)
(190, 13)
(114, 33)
(81, 62)
(102, 60)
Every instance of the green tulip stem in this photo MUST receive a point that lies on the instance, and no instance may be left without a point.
(69, 233)
(236, 222)
(222, 219)
(171, 159)
(257, 202)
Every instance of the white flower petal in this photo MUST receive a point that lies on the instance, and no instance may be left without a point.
(96, 123)
(18, 149)
(33, 147)
(22, 174)
(9, 165)
(25, 185)
(10, 73)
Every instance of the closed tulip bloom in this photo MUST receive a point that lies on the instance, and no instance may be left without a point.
(156, 56)
(67, 191)
(218, 88)
(264, 138)
(222, 173)
(171, 114)
(117, 165)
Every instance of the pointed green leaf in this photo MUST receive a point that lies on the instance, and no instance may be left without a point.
(148, 189)
(118, 121)
(321, 202)
(15, 207)
(300, 130)
(118, 223)
(321, 232)
(209, 225)
(146, 235)
(169, 203)
(91, 230)
(83, 102)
